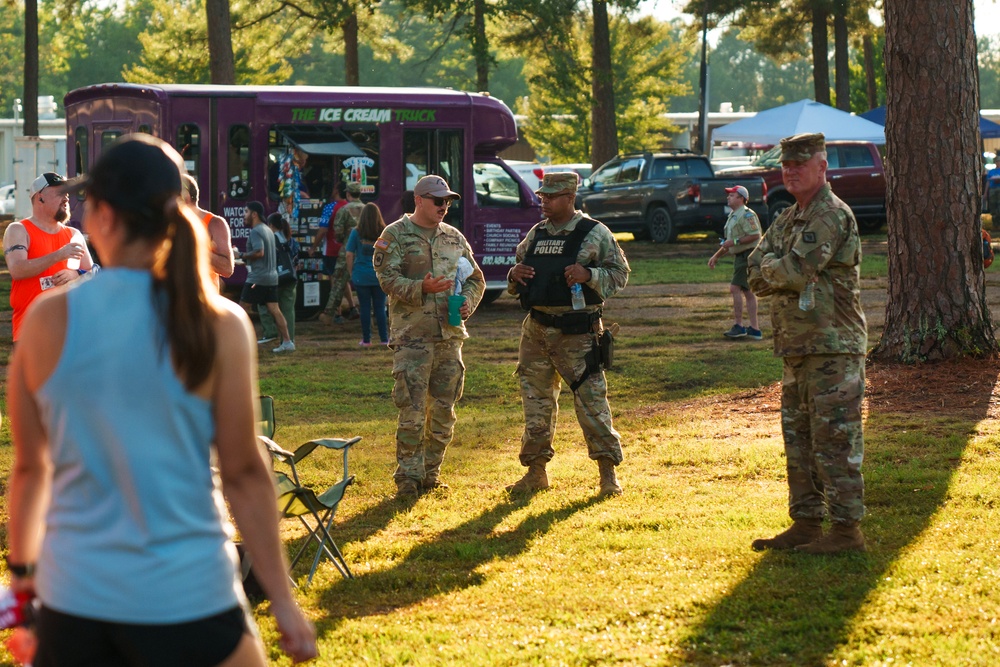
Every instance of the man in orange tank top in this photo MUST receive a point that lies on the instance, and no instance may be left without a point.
(218, 230)
(41, 251)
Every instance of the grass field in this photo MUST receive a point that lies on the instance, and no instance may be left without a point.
(664, 574)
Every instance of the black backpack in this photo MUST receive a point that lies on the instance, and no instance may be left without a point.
(285, 263)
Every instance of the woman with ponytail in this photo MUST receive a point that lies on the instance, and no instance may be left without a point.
(124, 392)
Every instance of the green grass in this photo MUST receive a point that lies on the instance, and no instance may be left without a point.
(663, 575)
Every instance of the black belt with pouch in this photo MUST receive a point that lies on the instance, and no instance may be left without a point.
(568, 323)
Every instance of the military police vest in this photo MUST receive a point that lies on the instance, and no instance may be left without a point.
(549, 256)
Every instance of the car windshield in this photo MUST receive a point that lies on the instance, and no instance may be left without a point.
(769, 158)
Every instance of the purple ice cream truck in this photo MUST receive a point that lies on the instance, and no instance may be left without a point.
(235, 138)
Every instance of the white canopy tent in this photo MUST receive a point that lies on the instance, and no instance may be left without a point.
(771, 126)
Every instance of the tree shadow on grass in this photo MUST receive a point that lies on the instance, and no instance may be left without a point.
(447, 563)
(794, 609)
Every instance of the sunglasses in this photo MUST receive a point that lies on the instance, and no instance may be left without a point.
(440, 201)
(548, 197)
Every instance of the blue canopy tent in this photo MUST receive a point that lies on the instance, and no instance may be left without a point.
(987, 128)
(770, 126)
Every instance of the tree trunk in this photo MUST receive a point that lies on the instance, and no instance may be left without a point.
(29, 103)
(352, 68)
(480, 46)
(221, 67)
(869, 49)
(602, 106)
(820, 53)
(841, 56)
(936, 306)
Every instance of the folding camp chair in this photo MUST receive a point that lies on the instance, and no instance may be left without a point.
(301, 502)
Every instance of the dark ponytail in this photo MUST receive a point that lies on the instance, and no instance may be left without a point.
(181, 273)
(140, 177)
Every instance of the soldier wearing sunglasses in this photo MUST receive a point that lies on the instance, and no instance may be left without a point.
(416, 260)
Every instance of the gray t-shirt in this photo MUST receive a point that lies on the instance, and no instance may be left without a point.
(262, 271)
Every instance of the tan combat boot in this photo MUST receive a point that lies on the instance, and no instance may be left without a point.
(842, 537)
(609, 481)
(534, 480)
(407, 490)
(803, 531)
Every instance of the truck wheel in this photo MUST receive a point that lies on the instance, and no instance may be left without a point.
(661, 227)
(775, 209)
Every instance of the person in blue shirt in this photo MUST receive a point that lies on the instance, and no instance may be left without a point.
(133, 409)
(360, 250)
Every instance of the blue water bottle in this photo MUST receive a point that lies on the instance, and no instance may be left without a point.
(576, 294)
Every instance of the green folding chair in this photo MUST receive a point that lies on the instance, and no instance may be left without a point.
(295, 500)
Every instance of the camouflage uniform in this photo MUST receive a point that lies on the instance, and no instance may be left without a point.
(547, 355)
(427, 361)
(346, 219)
(823, 351)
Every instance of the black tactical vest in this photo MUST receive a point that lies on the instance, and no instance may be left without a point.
(549, 256)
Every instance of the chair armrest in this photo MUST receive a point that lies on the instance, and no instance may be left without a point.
(275, 450)
(329, 443)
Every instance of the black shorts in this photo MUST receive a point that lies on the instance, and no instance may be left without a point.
(329, 264)
(66, 640)
(258, 295)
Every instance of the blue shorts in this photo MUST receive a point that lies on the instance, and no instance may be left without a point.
(65, 640)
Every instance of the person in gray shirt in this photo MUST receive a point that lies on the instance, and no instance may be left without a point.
(261, 287)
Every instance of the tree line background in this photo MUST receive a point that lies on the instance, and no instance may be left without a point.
(536, 55)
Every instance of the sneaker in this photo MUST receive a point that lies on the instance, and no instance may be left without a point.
(353, 314)
(736, 332)
(754, 333)
(338, 319)
(266, 339)
(364, 344)
(287, 346)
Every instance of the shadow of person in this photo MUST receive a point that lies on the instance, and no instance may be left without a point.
(796, 609)
(449, 562)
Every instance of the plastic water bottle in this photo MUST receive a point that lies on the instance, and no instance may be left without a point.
(807, 298)
(576, 292)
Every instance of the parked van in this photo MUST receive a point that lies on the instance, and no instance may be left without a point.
(233, 137)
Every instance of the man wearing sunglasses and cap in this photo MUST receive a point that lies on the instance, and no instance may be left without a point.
(559, 337)
(420, 261)
(43, 252)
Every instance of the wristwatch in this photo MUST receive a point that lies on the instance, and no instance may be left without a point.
(20, 570)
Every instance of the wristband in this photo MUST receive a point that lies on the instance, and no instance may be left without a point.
(20, 570)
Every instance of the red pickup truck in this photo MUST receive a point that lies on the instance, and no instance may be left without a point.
(855, 173)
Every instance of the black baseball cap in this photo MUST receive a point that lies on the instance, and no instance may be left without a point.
(257, 208)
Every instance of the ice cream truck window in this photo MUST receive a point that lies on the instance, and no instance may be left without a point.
(82, 153)
(238, 172)
(323, 156)
(109, 136)
(189, 146)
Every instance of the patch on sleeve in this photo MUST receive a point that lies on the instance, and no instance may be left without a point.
(809, 237)
(382, 244)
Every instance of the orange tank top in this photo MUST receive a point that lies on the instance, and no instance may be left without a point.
(26, 290)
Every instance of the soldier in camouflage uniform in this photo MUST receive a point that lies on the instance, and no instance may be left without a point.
(814, 246)
(416, 260)
(565, 249)
(346, 219)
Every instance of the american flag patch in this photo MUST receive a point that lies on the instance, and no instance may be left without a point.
(382, 244)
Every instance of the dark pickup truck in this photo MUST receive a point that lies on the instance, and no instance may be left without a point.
(855, 173)
(658, 195)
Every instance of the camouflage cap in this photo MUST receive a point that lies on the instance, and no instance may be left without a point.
(558, 181)
(354, 188)
(801, 147)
